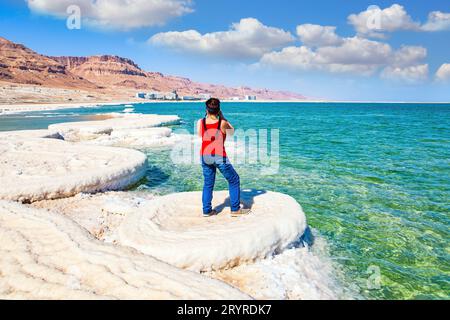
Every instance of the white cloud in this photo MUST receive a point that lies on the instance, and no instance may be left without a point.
(292, 58)
(437, 21)
(356, 50)
(302, 58)
(374, 21)
(247, 39)
(409, 55)
(410, 74)
(305, 59)
(443, 73)
(317, 35)
(355, 56)
(117, 14)
(325, 51)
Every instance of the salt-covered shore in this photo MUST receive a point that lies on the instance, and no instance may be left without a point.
(172, 229)
(74, 237)
(48, 256)
(39, 168)
(6, 109)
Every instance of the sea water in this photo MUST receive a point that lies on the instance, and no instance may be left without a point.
(373, 180)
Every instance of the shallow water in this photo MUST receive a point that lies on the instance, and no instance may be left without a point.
(373, 179)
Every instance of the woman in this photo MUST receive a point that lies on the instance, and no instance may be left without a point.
(213, 130)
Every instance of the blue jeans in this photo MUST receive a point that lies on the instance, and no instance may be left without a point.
(210, 164)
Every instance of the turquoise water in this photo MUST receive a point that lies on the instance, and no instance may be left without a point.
(373, 179)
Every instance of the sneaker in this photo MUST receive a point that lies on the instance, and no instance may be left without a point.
(212, 213)
(240, 213)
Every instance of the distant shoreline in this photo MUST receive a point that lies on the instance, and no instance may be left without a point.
(7, 109)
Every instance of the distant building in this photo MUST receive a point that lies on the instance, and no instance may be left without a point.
(204, 96)
(235, 98)
(190, 98)
(155, 96)
(250, 98)
(171, 96)
(150, 96)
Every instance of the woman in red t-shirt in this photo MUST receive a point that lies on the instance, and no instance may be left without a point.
(213, 130)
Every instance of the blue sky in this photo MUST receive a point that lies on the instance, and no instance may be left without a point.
(310, 47)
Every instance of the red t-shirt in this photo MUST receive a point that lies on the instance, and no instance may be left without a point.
(213, 139)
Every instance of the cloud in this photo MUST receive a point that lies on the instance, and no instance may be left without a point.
(356, 50)
(443, 73)
(246, 39)
(317, 35)
(306, 59)
(354, 55)
(437, 21)
(117, 14)
(291, 58)
(409, 55)
(410, 74)
(374, 21)
(324, 50)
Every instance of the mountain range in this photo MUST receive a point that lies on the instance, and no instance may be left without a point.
(107, 74)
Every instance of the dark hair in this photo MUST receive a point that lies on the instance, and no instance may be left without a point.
(213, 106)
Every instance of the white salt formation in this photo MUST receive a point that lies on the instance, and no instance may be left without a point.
(48, 256)
(139, 138)
(90, 130)
(27, 134)
(295, 273)
(36, 169)
(102, 213)
(172, 229)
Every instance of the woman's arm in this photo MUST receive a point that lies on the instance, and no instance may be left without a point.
(230, 126)
(227, 128)
(199, 128)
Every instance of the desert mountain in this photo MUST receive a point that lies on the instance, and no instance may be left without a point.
(113, 71)
(19, 64)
